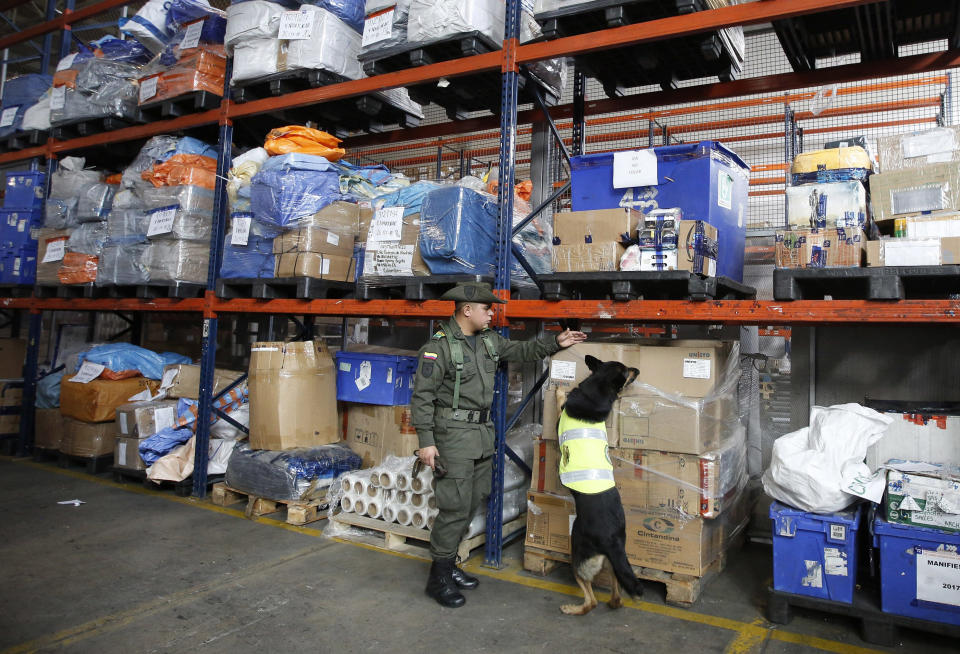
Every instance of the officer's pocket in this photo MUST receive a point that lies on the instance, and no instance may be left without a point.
(489, 365)
(452, 494)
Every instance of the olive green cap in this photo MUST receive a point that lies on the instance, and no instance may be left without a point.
(472, 292)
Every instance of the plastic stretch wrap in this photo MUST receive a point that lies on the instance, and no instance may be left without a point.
(398, 24)
(22, 92)
(37, 117)
(250, 22)
(77, 268)
(88, 238)
(245, 166)
(297, 474)
(433, 20)
(184, 170)
(94, 75)
(293, 186)
(333, 46)
(186, 226)
(256, 258)
(182, 12)
(118, 357)
(831, 159)
(127, 199)
(256, 58)
(122, 265)
(188, 199)
(116, 98)
(126, 226)
(552, 73)
(938, 145)
(114, 49)
(95, 201)
(47, 272)
(177, 261)
(60, 214)
(159, 149)
(70, 180)
(201, 69)
(838, 204)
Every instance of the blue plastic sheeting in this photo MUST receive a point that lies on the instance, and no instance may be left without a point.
(182, 12)
(116, 49)
(410, 198)
(289, 474)
(349, 11)
(290, 4)
(293, 186)
(362, 182)
(124, 356)
(22, 92)
(255, 259)
(162, 443)
(825, 176)
(48, 391)
(190, 145)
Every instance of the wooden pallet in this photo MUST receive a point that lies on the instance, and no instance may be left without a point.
(396, 538)
(299, 512)
(682, 590)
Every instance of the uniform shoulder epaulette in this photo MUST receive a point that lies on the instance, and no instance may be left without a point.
(438, 335)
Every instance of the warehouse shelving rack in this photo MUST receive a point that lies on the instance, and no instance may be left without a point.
(508, 62)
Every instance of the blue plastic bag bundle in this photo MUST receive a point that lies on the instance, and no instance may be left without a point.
(256, 258)
(349, 11)
(410, 198)
(293, 186)
(126, 50)
(162, 443)
(48, 390)
(124, 356)
(297, 474)
(182, 12)
(22, 92)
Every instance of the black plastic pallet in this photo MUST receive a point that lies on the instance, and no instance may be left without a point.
(182, 488)
(16, 290)
(889, 283)
(628, 286)
(91, 126)
(370, 113)
(461, 95)
(70, 291)
(426, 288)
(664, 62)
(876, 627)
(188, 103)
(94, 464)
(293, 288)
(9, 443)
(41, 454)
(23, 140)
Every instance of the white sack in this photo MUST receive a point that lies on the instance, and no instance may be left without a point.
(256, 58)
(248, 21)
(333, 46)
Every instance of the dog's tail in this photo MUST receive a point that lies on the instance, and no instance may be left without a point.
(621, 568)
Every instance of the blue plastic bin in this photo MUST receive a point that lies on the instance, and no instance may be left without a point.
(18, 267)
(24, 190)
(919, 571)
(706, 180)
(375, 378)
(814, 554)
(15, 226)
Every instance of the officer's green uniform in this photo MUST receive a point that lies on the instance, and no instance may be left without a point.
(464, 438)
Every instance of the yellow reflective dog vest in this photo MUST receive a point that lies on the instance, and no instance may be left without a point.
(584, 460)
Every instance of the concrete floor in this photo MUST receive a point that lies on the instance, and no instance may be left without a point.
(142, 571)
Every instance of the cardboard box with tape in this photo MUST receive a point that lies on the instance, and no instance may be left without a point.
(375, 431)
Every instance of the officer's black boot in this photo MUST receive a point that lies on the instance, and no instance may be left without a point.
(441, 587)
(462, 579)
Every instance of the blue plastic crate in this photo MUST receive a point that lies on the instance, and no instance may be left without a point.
(375, 378)
(24, 190)
(706, 180)
(16, 226)
(919, 571)
(18, 267)
(814, 554)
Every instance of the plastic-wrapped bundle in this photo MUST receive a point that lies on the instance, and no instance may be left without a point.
(257, 58)
(252, 21)
(838, 204)
(126, 199)
(186, 225)
(552, 73)
(159, 149)
(116, 98)
(434, 20)
(69, 180)
(333, 46)
(201, 69)
(114, 49)
(37, 116)
(77, 268)
(88, 238)
(120, 357)
(399, 13)
(297, 474)
(122, 265)
(60, 214)
(177, 261)
(181, 12)
(190, 199)
(95, 202)
(22, 92)
(47, 272)
(184, 170)
(149, 25)
(293, 186)
(126, 226)
(256, 258)
(94, 74)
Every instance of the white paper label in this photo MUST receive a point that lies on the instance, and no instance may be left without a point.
(58, 98)
(325, 267)
(389, 260)
(634, 168)
(296, 25)
(389, 376)
(333, 239)
(16, 266)
(122, 453)
(191, 36)
(938, 577)
(264, 349)
(22, 225)
(377, 28)
(168, 377)
(724, 190)
(834, 561)
(838, 532)
(142, 396)
(241, 230)
(148, 88)
(88, 372)
(363, 379)
(814, 576)
(161, 222)
(123, 424)
(345, 366)
(66, 62)
(8, 116)
(55, 250)
(563, 370)
(163, 417)
(696, 368)
(386, 226)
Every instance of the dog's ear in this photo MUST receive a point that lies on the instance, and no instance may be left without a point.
(632, 374)
(592, 362)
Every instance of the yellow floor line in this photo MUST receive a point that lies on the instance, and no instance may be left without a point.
(750, 638)
(512, 572)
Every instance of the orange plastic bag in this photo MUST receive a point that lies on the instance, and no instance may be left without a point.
(523, 190)
(114, 179)
(305, 140)
(77, 268)
(66, 78)
(123, 374)
(183, 170)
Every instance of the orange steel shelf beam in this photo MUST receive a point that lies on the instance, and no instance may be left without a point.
(58, 23)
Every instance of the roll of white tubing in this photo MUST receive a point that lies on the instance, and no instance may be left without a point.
(404, 515)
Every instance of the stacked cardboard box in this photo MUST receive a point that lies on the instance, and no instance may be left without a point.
(89, 409)
(135, 422)
(374, 431)
(323, 245)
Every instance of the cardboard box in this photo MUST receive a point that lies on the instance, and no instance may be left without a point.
(186, 380)
(919, 499)
(375, 431)
(318, 266)
(320, 240)
(546, 468)
(904, 151)
(914, 437)
(391, 257)
(933, 226)
(47, 272)
(913, 252)
(98, 400)
(13, 352)
(87, 438)
(652, 421)
(48, 428)
(126, 454)
(549, 526)
(293, 396)
(827, 205)
(820, 248)
(930, 187)
(11, 396)
(10, 423)
(595, 226)
(584, 257)
(143, 419)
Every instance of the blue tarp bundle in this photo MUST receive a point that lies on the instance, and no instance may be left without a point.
(293, 186)
(182, 12)
(256, 258)
(48, 391)
(125, 356)
(289, 474)
(22, 92)
(349, 11)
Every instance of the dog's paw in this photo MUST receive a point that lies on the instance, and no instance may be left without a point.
(615, 603)
(576, 609)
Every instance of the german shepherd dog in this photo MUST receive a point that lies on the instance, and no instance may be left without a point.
(599, 534)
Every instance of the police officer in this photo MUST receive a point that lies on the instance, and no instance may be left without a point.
(451, 402)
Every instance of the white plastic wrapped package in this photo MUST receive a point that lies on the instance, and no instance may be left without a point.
(149, 25)
(127, 199)
(177, 261)
(122, 265)
(333, 46)
(118, 98)
(88, 238)
(813, 468)
(69, 180)
(127, 226)
(37, 117)
(435, 20)
(60, 214)
(375, 11)
(185, 225)
(95, 201)
(251, 21)
(256, 58)
(192, 199)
